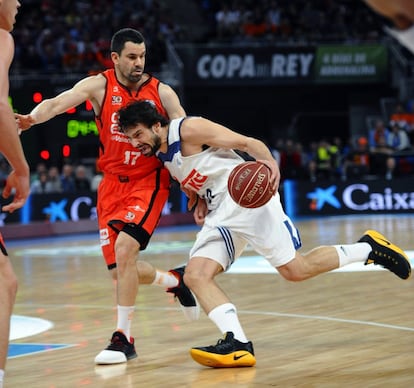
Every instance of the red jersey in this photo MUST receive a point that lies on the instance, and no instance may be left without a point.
(116, 155)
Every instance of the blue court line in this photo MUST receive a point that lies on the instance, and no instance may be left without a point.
(22, 349)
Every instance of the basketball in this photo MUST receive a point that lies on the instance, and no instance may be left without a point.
(249, 184)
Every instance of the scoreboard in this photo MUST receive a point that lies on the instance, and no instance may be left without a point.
(72, 135)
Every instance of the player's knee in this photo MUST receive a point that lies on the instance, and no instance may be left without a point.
(125, 256)
(10, 283)
(194, 279)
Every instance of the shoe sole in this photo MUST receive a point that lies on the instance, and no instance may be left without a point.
(109, 361)
(232, 360)
(402, 265)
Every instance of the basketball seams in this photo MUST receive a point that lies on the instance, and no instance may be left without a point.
(238, 180)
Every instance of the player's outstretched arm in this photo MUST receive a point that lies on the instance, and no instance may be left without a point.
(86, 89)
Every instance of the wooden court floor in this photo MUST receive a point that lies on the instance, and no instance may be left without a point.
(342, 329)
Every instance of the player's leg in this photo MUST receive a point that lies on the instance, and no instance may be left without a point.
(8, 290)
(372, 248)
(124, 231)
(234, 349)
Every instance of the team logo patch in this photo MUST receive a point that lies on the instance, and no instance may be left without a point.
(116, 100)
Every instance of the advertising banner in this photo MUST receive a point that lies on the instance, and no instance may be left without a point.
(263, 65)
(356, 197)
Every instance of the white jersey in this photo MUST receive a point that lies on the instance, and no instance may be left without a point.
(206, 173)
(228, 227)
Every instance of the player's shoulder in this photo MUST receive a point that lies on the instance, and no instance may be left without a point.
(92, 82)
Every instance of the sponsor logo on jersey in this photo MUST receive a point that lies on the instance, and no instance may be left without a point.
(194, 180)
(129, 216)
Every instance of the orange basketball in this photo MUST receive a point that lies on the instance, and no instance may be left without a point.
(249, 184)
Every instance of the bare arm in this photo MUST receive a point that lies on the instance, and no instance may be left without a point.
(90, 88)
(196, 131)
(10, 145)
(170, 101)
(400, 12)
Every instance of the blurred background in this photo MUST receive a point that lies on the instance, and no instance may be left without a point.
(319, 81)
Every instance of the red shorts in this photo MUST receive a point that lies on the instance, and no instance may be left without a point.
(133, 205)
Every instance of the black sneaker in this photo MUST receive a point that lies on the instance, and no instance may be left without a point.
(118, 351)
(227, 353)
(386, 254)
(188, 301)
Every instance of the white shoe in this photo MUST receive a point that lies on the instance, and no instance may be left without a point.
(118, 351)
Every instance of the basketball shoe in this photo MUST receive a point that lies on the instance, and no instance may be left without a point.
(227, 353)
(386, 254)
(118, 351)
(188, 301)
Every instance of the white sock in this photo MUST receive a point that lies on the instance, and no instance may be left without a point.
(353, 253)
(1, 377)
(165, 279)
(226, 319)
(125, 314)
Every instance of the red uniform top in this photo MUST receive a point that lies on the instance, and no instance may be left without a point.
(116, 155)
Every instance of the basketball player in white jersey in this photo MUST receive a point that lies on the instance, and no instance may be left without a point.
(199, 154)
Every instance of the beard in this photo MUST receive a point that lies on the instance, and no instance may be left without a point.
(151, 150)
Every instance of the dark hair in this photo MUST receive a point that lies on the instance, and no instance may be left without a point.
(125, 35)
(140, 112)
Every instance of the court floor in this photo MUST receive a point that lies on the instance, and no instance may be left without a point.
(352, 327)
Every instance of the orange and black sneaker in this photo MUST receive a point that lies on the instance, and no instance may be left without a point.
(227, 353)
(386, 254)
(188, 301)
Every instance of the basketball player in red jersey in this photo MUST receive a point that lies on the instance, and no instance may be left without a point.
(134, 188)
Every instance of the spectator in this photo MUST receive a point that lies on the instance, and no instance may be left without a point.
(40, 184)
(357, 162)
(398, 139)
(66, 179)
(227, 22)
(82, 182)
(402, 117)
(382, 162)
(378, 132)
(255, 26)
(290, 161)
(40, 167)
(54, 180)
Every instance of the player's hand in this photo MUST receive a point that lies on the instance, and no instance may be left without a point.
(24, 122)
(200, 212)
(21, 186)
(275, 173)
(192, 197)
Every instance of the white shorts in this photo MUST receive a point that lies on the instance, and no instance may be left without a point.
(229, 228)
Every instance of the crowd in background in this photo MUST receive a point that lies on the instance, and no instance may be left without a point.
(74, 36)
(285, 21)
(383, 151)
(69, 178)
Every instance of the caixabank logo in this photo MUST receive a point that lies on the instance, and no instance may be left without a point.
(372, 197)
